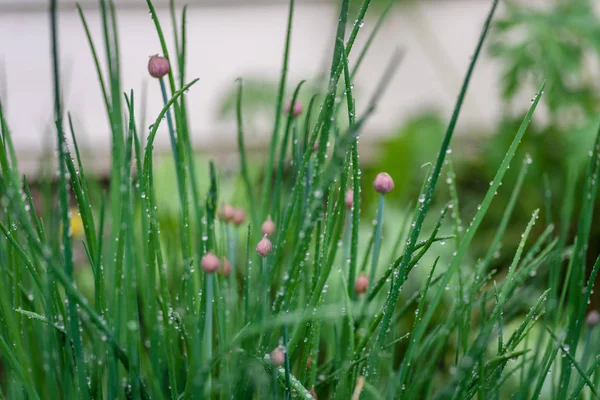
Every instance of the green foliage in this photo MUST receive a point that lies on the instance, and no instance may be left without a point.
(553, 42)
(260, 90)
(143, 317)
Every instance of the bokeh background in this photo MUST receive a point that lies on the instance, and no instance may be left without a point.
(228, 39)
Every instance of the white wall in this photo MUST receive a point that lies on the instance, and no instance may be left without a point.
(226, 42)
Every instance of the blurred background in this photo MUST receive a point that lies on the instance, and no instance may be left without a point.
(228, 39)
(530, 41)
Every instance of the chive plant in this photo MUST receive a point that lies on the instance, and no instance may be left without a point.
(284, 304)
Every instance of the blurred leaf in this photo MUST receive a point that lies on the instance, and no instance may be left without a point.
(554, 43)
(259, 98)
(259, 94)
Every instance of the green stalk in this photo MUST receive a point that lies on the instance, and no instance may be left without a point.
(73, 318)
(371, 37)
(172, 138)
(288, 386)
(130, 281)
(403, 371)
(208, 328)
(278, 109)
(242, 153)
(282, 157)
(576, 284)
(247, 280)
(355, 211)
(377, 239)
(115, 114)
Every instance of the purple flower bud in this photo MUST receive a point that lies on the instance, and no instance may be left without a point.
(296, 110)
(592, 319)
(226, 269)
(226, 212)
(361, 284)
(383, 183)
(264, 247)
(268, 227)
(349, 199)
(238, 216)
(158, 66)
(277, 357)
(210, 263)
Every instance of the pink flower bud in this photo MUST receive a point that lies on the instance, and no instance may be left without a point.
(238, 216)
(313, 393)
(315, 147)
(383, 183)
(226, 212)
(210, 263)
(225, 269)
(361, 284)
(268, 227)
(592, 319)
(158, 66)
(264, 247)
(297, 109)
(277, 357)
(349, 199)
